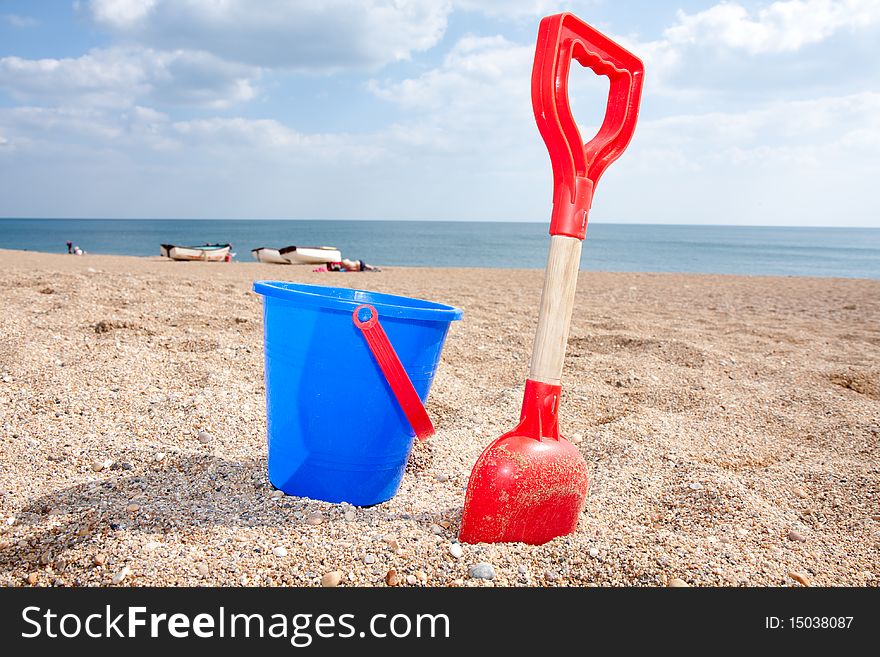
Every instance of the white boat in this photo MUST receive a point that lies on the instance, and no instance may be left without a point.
(206, 252)
(310, 255)
(273, 256)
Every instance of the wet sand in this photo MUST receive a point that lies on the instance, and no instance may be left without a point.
(730, 425)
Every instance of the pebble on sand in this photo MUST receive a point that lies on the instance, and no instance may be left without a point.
(121, 575)
(204, 437)
(203, 569)
(455, 550)
(99, 559)
(331, 579)
(482, 570)
(32, 578)
(350, 515)
(101, 464)
(796, 536)
(594, 552)
(392, 578)
(315, 518)
(442, 477)
(411, 580)
(131, 508)
(280, 551)
(577, 438)
(370, 558)
(800, 578)
(678, 583)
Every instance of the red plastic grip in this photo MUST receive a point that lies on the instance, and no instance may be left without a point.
(392, 368)
(577, 167)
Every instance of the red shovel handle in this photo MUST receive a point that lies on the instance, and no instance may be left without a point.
(367, 320)
(578, 166)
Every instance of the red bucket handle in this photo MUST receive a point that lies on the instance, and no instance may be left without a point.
(392, 368)
(578, 166)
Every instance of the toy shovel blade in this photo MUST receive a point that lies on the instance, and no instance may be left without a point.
(524, 489)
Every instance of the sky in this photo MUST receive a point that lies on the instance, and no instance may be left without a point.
(757, 113)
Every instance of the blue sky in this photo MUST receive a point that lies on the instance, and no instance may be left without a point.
(762, 113)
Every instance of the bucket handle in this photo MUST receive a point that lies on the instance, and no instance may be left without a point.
(367, 320)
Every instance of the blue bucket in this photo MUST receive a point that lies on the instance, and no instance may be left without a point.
(335, 429)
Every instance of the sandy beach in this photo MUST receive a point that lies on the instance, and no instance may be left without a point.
(730, 425)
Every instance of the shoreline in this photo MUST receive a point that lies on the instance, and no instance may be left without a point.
(302, 269)
(730, 424)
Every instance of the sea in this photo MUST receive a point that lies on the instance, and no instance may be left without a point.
(749, 250)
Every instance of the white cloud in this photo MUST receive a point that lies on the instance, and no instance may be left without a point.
(478, 100)
(816, 127)
(727, 54)
(508, 8)
(804, 162)
(119, 77)
(250, 133)
(41, 130)
(57, 127)
(783, 26)
(312, 35)
(473, 65)
(20, 22)
(121, 14)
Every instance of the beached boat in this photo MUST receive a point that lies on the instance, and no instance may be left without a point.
(267, 255)
(209, 252)
(310, 255)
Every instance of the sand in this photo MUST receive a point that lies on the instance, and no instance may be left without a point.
(730, 425)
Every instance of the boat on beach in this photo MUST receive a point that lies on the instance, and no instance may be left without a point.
(310, 255)
(205, 252)
(267, 255)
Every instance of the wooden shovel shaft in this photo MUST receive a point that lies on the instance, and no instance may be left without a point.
(554, 315)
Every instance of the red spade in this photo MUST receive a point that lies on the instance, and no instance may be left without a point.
(530, 484)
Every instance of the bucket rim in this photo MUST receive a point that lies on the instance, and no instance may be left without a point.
(344, 298)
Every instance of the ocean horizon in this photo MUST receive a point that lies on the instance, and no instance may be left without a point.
(847, 252)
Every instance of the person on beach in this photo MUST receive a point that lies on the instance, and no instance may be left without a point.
(69, 246)
(350, 265)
